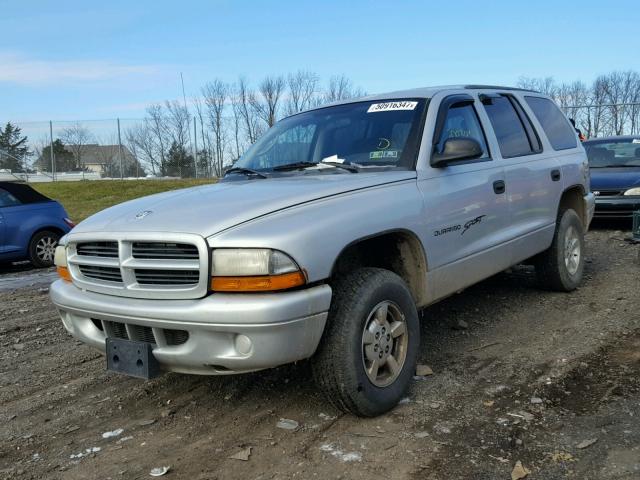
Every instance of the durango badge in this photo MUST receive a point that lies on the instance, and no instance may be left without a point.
(142, 214)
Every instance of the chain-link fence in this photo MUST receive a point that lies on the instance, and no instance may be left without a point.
(78, 150)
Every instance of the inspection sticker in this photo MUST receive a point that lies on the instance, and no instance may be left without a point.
(389, 106)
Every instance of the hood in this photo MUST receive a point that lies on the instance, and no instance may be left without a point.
(209, 209)
(615, 178)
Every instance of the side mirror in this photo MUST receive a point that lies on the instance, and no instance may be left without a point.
(462, 148)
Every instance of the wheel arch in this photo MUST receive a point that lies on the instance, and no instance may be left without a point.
(573, 198)
(51, 228)
(398, 250)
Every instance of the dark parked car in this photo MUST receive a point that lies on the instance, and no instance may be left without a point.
(30, 225)
(615, 175)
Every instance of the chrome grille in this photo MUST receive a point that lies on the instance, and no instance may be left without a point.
(167, 277)
(164, 250)
(145, 265)
(142, 333)
(98, 249)
(107, 274)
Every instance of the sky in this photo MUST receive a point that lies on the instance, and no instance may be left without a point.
(81, 60)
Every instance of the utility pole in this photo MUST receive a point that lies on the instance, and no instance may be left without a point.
(120, 150)
(53, 161)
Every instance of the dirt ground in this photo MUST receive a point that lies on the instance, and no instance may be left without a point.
(551, 380)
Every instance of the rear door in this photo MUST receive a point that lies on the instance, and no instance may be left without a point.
(532, 174)
(466, 208)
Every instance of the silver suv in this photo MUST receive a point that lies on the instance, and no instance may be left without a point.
(328, 235)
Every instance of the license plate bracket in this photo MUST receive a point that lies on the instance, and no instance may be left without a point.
(132, 358)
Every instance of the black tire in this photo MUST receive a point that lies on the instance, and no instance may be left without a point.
(339, 364)
(42, 248)
(553, 270)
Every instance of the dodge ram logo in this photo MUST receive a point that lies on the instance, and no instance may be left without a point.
(142, 214)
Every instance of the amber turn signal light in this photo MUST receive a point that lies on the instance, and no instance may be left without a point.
(64, 273)
(265, 283)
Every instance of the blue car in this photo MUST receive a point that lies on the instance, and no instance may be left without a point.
(615, 175)
(30, 225)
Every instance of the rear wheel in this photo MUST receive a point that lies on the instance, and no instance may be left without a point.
(42, 248)
(561, 267)
(367, 356)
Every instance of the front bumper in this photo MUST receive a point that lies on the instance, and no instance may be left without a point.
(227, 333)
(616, 207)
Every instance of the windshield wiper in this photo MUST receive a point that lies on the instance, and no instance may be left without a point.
(293, 166)
(303, 165)
(246, 171)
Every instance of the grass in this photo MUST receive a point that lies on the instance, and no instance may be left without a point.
(84, 198)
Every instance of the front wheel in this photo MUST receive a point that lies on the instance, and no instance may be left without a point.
(367, 356)
(42, 248)
(560, 267)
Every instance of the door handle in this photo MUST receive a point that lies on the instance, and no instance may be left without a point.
(499, 186)
(556, 175)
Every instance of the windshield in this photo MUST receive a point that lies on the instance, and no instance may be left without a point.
(618, 153)
(366, 134)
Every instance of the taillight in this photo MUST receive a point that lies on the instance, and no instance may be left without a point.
(69, 222)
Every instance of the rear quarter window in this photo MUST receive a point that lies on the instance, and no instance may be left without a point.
(555, 125)
(7, 200)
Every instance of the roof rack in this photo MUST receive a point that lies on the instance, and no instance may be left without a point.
(497, 87)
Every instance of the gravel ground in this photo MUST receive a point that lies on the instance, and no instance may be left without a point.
(519, 375)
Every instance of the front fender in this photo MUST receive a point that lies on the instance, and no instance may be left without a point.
(314, 234)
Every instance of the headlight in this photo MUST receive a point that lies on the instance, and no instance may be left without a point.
(60, 260)
(633, 191)
(253, 270)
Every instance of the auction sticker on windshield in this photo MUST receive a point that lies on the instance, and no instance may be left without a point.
(389, 106)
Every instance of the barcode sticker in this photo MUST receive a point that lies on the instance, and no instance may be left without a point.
(389, 106)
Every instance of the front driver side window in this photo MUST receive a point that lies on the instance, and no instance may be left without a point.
(462, 122)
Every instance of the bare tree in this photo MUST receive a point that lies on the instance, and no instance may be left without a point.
(245, 100)
(205, 153)
(546, 85)
(140, 141)
(341, 88)
(179, 121)
(215, 95)
(134, 148)
(156, 137)
(76, 138)
(267, 107)
(303, 88)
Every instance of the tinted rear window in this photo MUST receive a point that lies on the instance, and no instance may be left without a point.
(23, 193)
(616, 153)
(510, 132)
(560, 133)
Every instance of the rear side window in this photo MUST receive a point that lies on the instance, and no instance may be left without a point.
(513, 130)
(7, 200)
(555, 125)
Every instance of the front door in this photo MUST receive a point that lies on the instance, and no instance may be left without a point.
(466, 206)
